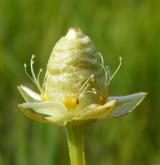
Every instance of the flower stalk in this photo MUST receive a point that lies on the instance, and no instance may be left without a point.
(75, 139)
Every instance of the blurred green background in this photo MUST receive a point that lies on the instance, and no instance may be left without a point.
(127, 28)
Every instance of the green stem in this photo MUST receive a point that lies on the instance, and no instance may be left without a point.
(75, 138)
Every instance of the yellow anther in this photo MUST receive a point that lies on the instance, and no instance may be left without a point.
(71, 103)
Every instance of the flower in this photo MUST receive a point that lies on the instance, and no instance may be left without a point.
(75, 87)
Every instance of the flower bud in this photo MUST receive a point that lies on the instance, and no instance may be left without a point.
(75, 85)
(75, 72)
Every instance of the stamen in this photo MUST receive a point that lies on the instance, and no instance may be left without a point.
(86, 85)
(84, 90)
(32, 70)
(94, 90)
(86, 82)
(104, 68)
(33, 76)
(101, 58)
(106, 74)
(120, 63)
(25, 69)
(40, 71)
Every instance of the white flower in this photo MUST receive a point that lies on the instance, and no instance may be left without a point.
(75, 85)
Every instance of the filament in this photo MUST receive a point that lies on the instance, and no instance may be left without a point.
(120, 63)
(33, 77)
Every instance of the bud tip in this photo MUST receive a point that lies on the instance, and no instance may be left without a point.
(73, 32)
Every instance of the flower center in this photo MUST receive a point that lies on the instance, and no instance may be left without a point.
(71, 100)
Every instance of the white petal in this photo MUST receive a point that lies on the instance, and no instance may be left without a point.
(45, 108)
(125, 104)
(28, 94)
(95, 111)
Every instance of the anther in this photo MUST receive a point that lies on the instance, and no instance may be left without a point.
(25, 65)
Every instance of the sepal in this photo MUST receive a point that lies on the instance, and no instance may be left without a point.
(126, 104)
